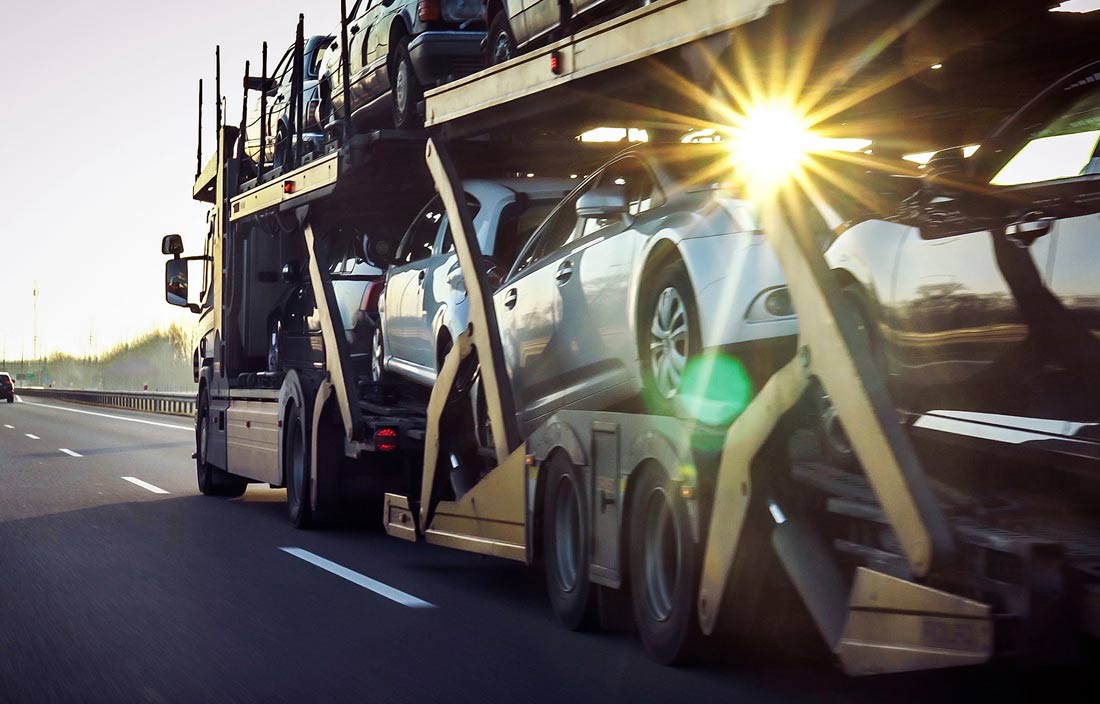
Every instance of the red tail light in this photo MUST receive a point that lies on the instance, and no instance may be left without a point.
(371, 295)
(429, 10)
(385, 439)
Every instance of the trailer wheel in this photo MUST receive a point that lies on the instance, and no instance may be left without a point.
(296, 471)
(211, 480)
(664, 569)
(407, 91)
(566, 540)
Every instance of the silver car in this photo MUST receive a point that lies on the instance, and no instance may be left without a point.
(644, 266)
(516, 25)
(424, 305)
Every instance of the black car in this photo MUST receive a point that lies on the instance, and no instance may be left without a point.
(981, 295)
(7, 387)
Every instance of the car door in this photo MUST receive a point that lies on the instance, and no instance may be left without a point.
(361, 27)
(371, 51)
(538, 343)
(403, 311)
(536, 18)
(278, 100)
(599, 298)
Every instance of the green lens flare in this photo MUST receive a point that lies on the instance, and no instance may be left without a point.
(715, 389)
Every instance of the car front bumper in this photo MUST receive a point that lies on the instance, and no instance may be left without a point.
(440, 57)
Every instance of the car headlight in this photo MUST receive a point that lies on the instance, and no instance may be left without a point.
(771, 304)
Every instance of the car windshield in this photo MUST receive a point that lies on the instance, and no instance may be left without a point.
(1064, 147)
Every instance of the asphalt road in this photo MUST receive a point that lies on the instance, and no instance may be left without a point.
(113, 592)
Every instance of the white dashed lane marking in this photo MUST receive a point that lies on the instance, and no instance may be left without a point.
(362, 580)
(9, 427)
(188, 428)
(32, 436)
(69, 452)
(145, 485)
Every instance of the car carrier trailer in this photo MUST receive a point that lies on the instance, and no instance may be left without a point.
(690, 523)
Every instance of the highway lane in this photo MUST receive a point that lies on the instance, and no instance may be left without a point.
(110, 592)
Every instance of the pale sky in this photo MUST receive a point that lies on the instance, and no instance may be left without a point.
(99, 119)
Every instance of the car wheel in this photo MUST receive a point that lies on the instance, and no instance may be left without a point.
(296, 469)
(377, 357)
(566, 540)
(663, 569)
(11, 399)
(502, 44)
(211, 480)
(669, 336)
(406, 89)
(831, 437)
(281, 157)
(324, 104)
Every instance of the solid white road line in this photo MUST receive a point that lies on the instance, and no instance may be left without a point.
(32, 436)
(145, 485)
(70, 453)
(362, 580)
(9, 427)
(18, 398)
(108, 415)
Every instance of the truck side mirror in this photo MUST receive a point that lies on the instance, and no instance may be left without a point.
(945, 171)
(175, 282)
(603, 202)
(171, 244)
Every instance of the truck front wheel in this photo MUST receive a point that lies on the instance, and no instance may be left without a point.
(296, 472)
(663, 569)
(212, 481)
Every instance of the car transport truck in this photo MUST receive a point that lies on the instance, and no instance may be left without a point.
(683, 526)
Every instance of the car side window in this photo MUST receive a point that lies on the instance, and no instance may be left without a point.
(446, 240)
(642, 190)
(421, 235)
(1067, 146)
(555, 233)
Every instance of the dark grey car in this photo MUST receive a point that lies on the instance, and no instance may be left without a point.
(279, 120)
(516, 25)
(397, 48)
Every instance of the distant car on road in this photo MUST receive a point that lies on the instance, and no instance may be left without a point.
(7, 387)
(981, 295)
(518, 25)
(424, 305)
(279, 137)
(397, 48)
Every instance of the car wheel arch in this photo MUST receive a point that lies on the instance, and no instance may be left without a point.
(657, 254)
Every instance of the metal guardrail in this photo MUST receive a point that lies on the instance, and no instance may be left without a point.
(147, 401)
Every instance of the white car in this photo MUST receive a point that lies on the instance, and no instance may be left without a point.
(424, 305)
(647, 264)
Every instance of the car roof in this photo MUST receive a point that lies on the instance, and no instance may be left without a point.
(535, 187)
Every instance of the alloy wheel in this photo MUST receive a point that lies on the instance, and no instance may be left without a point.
(668, 343)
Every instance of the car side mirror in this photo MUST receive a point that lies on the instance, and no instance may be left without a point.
(292, 272)
(603, 202)
(265, 85)
(171, 244)
(945, 172)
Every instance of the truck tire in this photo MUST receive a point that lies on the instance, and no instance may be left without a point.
(566, 541)
(211, 480)
(664, 569)
(296, 472)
